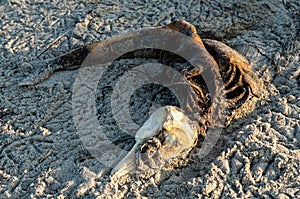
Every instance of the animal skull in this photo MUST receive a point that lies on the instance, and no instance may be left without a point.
(167, 135)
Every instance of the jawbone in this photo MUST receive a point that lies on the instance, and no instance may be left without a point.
(165, 137)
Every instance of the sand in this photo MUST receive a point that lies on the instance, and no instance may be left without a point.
(42, 155)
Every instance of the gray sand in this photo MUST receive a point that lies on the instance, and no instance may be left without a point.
(42, 156)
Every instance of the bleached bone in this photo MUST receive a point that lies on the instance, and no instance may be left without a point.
(167, 135)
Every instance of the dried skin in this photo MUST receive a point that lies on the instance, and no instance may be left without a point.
(240, 83)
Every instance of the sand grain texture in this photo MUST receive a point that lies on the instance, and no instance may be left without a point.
(42, 156)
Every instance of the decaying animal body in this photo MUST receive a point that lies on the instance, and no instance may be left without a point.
(171, 132)
(241, 90)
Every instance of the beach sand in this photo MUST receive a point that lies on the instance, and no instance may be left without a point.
(42, 155)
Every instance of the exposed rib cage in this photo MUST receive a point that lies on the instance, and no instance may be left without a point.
(240, 83)
(173, 140)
